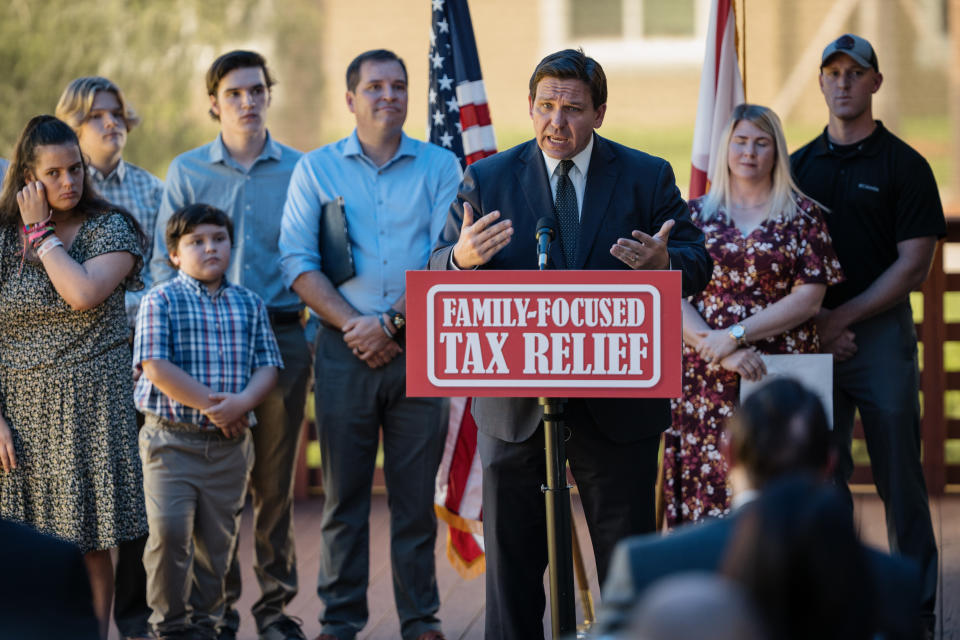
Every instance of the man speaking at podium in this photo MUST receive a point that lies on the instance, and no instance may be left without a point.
(615, 208)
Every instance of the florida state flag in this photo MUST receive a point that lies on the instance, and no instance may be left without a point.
(721, 89)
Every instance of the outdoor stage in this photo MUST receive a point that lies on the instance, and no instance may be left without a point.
(462, 602)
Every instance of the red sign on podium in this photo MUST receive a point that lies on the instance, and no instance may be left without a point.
(561, 334)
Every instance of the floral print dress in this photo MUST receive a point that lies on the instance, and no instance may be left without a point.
(750, 272)
(66, 390)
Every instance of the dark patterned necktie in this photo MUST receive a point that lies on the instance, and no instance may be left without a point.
(567, 212)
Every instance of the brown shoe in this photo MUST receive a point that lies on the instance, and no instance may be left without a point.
(433, 634)
(326, 636)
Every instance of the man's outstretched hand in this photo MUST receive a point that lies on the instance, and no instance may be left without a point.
(645, 251)
(481, 240)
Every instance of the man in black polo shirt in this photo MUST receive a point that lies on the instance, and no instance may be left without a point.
(885, 217)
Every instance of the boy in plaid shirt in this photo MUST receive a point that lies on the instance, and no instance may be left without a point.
(208, 357)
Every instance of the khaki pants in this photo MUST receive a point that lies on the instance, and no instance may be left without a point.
(194, 483)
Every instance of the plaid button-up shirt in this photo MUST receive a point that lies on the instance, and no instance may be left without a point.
(139, 192)
(219, 340)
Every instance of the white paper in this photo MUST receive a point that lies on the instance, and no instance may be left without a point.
(813, 370)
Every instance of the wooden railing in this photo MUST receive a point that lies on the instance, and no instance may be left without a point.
(934, 332)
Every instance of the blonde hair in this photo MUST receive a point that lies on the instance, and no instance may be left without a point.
(784, 192)
(76, 102)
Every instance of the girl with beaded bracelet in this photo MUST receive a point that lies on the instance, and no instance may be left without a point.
(68, 445)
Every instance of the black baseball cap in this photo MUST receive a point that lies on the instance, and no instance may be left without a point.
(854, 46)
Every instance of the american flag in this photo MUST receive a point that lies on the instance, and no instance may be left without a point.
(457, 114)
(458, 119)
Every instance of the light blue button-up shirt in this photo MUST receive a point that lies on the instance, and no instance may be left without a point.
(395, 214)
(139, 192)
(254, 201)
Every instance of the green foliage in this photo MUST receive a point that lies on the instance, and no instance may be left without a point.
(157, 52)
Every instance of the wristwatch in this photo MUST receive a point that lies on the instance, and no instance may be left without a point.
(738, 333)
(398, 322)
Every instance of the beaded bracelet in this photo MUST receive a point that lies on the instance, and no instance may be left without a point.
(28, 227)
(49, 246)
(35, 231)
(39, 235)
(39, 227)
(42, 239)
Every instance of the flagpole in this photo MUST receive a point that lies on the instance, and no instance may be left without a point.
(563, 611)
(743, 67)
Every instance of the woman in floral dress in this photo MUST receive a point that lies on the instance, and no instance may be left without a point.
(68, 436)
(773, 260)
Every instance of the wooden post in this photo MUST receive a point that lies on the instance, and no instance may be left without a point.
(953, 10)
(933, 380)
(879, 23)
(583, 584)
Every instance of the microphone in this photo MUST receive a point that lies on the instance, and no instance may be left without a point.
(545, 233)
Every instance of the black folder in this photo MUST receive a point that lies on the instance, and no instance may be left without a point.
(336, 259)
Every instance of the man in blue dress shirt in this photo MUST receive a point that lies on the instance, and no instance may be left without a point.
(245, 172)
(396, 193)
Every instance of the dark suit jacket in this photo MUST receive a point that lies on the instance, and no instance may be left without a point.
(44, 591)
(640, 561)
(626, 190)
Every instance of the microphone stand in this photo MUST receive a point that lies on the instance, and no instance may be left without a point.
(563, 613)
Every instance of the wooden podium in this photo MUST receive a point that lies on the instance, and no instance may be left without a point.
(552, 335)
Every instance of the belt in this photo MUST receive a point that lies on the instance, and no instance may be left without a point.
(182, 427)
(284, 317)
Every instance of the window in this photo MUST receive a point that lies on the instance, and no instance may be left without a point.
(628, 33)
(669, 18)
(596, 18)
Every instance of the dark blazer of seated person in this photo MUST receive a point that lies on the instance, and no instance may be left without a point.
(797, 555)
(45, 592)
(778, 431)
(641, 561)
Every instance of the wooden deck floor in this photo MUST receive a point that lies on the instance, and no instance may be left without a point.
(462, 602)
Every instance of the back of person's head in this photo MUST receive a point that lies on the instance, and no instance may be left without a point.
(374, 55)
(694, 606)
(76, 102)
(572, 64)
(780, 429)
(188, 218)
(783, 190)
(796, 553)
(232, 61)
(41, 131)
